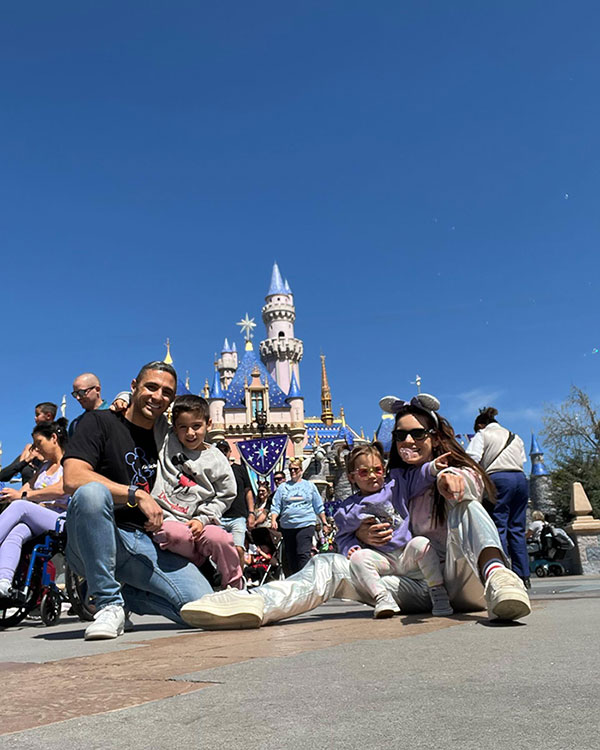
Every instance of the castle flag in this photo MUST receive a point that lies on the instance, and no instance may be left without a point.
(262, 454)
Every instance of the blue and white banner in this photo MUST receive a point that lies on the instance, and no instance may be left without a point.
(262, 454)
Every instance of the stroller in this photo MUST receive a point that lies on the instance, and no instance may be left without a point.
(266, 564)
(36, 583)
(547, 551)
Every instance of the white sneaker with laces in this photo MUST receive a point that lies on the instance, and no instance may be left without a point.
(506, 596)
(385, 606)
(108, 623)
(231, 609)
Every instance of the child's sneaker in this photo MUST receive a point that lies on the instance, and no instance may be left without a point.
(441, 604)
(385, 606)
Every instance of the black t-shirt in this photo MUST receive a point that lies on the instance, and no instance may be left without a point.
(239, 507)
(121, 452)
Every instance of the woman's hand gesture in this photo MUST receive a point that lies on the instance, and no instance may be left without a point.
(451, 486)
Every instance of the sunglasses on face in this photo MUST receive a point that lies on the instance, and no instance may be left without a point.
(278, 479)
(365, 472)
(418, 433)
(82, 392)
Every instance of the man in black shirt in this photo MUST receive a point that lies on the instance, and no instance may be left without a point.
(109, 468)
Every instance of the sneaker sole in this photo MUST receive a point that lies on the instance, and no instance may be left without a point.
(384, 614)
(102, 636)
(513, 606)
(221, 618)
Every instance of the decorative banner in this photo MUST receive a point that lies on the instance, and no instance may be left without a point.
(262, 454)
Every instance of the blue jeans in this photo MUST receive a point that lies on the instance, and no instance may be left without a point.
(509, 516)
(237, 528)
(125, 567)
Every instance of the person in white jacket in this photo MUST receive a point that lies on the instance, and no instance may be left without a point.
(501, 454)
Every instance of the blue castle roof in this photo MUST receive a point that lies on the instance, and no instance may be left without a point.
(383, 433)
(217, 389)
(226, 347)
(538, 468)
(278, 286)
(182, 389)
(345, 434)
(234, 395)
(294, 391)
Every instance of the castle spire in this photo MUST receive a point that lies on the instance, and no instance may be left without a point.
(168, 360)
(277, 285)
(326, 413)
(217, 390)
(538, 468)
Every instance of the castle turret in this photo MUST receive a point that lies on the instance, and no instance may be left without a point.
(326, 413)
(297, 429)
(540, 484)
(227, 363)
(216, 404)
(281, 352)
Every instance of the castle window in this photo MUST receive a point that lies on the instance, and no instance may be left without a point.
(281, 334)
(257, 402)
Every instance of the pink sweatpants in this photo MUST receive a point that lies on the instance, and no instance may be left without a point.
(214, 542)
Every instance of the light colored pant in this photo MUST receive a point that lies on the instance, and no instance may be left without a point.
(237, 528)
(122, 566)
(368, 565)
(21, 521)
(470, 531)
(214, 543)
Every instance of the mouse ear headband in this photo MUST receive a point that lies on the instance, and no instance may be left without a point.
(424, 401)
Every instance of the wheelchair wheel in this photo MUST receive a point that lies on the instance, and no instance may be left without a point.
(78, 596)
(555, 570)
(12, 611)
(50, 607)
(540, 572)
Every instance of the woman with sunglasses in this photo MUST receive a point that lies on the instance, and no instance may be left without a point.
(459, 529)
(295, 507)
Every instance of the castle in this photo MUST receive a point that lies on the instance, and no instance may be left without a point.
(260, 394)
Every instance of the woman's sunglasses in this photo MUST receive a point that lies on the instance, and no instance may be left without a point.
(419, 433)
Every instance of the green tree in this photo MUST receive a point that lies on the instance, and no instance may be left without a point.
(571, 437)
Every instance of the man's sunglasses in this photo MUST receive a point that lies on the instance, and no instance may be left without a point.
(418, 433)
(82, 392)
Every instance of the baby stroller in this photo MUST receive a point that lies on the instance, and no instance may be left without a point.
(547, 551)
(266, 565)
(35, 583)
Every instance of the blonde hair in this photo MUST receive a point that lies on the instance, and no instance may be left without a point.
(372, 449)
(537, 515)
(295, 462)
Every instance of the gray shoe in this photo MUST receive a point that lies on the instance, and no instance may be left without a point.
(108, 623)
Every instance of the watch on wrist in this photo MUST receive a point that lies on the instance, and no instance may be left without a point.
(23, 494)
(131, 501)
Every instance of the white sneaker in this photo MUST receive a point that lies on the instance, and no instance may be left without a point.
(231, 609)
(108, 623)
(385, 607)
(5, 586)
(506, 596)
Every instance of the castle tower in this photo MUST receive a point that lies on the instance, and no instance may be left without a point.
(297, 429)
(326, 413)
(216, 406)
(280, 351)
(227, 363)
(540, 485)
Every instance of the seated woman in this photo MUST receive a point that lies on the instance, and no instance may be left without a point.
(33, 508)
(462, 533)
(262, 534)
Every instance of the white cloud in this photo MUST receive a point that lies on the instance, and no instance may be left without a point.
(472, 401)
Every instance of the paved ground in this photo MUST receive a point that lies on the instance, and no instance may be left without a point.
(334, 678)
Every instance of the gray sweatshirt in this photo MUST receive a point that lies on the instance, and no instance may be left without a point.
(201, 487)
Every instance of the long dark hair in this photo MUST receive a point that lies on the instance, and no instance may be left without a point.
(58, 428)
(446, 443)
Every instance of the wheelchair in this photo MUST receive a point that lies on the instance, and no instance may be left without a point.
(37, 583)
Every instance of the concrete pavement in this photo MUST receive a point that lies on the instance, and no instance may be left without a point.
(333, 678)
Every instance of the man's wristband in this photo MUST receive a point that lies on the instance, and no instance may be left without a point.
(131, 501)
(23, 494)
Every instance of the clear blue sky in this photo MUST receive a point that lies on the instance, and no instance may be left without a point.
(425, 173)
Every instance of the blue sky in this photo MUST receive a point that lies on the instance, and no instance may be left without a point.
(425, 174)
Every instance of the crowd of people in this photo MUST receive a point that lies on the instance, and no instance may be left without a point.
(149, 504)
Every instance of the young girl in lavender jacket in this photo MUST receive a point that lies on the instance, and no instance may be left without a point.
(387, 503)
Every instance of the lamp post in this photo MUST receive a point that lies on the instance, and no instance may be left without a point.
(260, 420)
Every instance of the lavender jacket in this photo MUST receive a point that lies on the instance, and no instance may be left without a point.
(389, 505)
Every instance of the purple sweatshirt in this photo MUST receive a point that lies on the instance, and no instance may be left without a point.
(389, 505)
